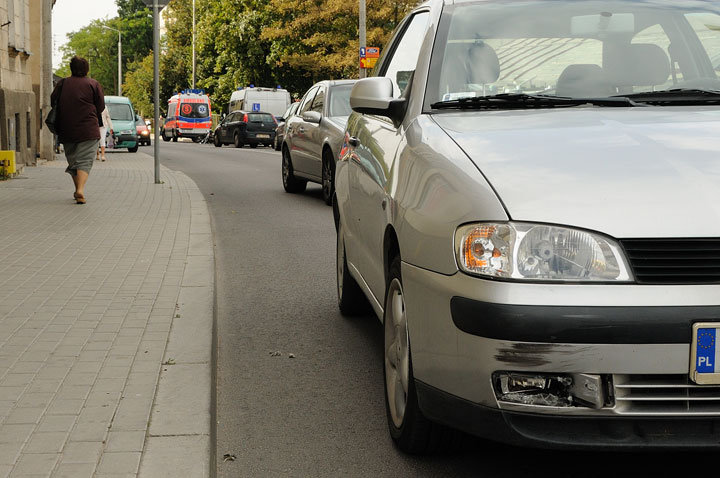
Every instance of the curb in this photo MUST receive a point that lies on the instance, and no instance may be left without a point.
(180, 433)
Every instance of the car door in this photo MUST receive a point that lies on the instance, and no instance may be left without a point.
(296, 137)
(225, 127)
(314, 133)
(374, 158)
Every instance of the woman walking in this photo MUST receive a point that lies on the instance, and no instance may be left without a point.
(106, 126)
(81, 102)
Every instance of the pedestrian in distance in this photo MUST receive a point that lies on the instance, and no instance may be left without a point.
(81, 102)
(105, 129)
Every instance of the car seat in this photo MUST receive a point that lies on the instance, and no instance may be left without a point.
(467, 64)
(637, 65)
(583, 81)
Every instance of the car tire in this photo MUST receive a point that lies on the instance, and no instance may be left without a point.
(328, 177)
(174, 137)
(276, 144)
(236, 141)
(164, 137)
(216, 141)
(290, 182)
(411, 431)
(351, 299)
(133, 149)
(195, 140)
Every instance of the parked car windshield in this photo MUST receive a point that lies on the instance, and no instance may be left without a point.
(589, 49)
(340, 100)
(120, 112)
(194, 110)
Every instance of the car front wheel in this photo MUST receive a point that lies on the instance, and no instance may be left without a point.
(216, 141)
(290, 182)
(236, 141)
(328, 177)
(409, 428)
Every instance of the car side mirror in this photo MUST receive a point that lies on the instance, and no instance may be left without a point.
(374, 96)
(312, 117)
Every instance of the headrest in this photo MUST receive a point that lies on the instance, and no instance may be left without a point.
(583, 81)
(483, 65)
(638, 65)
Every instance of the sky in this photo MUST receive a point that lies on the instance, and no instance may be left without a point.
(71, 15)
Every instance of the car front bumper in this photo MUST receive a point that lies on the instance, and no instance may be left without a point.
(466, 331)
(125, 141)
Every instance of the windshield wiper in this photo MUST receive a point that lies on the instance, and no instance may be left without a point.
(523, 100)
(676, 96)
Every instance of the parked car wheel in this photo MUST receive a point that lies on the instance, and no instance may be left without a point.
(328, 177)
(236, 141)
(133, 149)
(216, 141)
(409, 428)
(290, 182)
(174, 137)
(351, 300)
(276, 144)
(164, 136)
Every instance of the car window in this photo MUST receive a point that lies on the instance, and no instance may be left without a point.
(231, 117)
(120, 112)
(404, 58)
(573, 49)
(307, 101)
(260, 118)
(340, 101)
(319, 102)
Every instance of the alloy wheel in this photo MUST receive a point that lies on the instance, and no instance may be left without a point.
(397, 353)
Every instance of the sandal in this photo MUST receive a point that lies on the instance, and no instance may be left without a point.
(79, 198)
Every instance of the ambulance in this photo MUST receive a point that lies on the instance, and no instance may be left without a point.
(188, 116)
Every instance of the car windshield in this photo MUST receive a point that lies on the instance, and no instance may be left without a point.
(194, 110)
(589, 49)
(340, 100)
(120, 112)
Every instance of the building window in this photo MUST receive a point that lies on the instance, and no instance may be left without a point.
(17, 132)
(28, 129)
(11, 27)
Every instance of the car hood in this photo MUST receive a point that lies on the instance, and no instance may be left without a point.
(626, 172)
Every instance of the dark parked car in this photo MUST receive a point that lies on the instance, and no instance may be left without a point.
(314, 136)
(282, 122)
(143, 132)
(246, 127)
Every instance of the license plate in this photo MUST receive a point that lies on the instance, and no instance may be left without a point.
(262, 135)
(705, 353)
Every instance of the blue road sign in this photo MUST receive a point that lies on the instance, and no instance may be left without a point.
(256, 106)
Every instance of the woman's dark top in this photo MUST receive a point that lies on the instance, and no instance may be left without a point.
(81, 105)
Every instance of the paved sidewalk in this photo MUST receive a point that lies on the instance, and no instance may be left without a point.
(105, 323)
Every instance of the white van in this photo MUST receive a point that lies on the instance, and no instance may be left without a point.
(270, 100)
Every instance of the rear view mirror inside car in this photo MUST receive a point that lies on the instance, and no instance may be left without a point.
(601, 24)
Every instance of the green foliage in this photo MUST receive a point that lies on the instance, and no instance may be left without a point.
(292, 43)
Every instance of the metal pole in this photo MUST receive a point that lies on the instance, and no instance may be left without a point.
(363, 29)
(193, 45)
(119, 64)
(156, 93)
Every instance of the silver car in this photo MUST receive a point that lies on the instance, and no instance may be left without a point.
(313, 137)
(528, 198)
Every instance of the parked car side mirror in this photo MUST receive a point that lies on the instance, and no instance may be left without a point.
(312, 117)
(374, 96)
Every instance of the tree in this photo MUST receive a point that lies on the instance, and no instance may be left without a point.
(99, 47)
(139, 85)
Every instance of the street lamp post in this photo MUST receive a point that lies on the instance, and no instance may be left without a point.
(119, 58)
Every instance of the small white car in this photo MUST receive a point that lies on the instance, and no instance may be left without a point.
(528, 197)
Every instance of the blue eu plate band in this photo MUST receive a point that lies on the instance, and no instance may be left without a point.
(705, 353)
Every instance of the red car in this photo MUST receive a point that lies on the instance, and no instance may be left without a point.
(143, 132)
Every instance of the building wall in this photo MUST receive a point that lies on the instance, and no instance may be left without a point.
(18, 107)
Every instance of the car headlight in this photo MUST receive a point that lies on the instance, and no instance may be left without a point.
(539, 252)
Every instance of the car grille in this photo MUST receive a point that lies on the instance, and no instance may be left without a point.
(674, 261)
(664, 395)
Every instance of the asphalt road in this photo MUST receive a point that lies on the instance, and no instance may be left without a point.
(299, 387)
